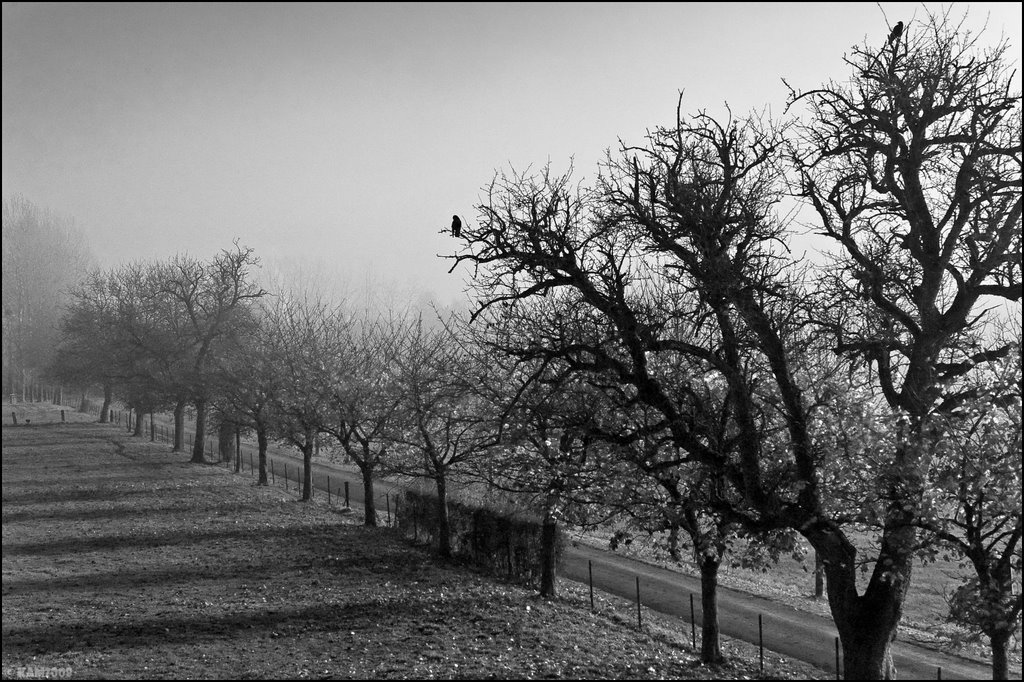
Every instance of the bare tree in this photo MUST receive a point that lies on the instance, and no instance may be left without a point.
(443, 424)
(366, 399)
(91, 349)
(310, 338)
(251, 379)
(679, 256)
(973, 506)
(555, 454)
(913, 168)
(209, 300)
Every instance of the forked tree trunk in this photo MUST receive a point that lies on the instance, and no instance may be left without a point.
(867, 623)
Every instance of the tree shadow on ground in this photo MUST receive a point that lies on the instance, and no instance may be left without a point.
(355, 618)
(134, 541)
(115, 512)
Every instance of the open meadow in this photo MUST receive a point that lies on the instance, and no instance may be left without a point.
(121, 560)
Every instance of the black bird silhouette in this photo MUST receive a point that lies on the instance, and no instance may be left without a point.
(896, 32)
(456, 226)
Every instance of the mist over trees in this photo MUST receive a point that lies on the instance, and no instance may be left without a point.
(647, 348)
(43, 254)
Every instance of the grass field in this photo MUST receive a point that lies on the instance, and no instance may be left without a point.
(121, 560)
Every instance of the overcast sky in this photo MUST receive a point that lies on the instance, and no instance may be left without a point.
(344, 136)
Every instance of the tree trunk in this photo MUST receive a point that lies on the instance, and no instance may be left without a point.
(108, 397)
(710, 642)
(673, 542)
(140, 421)
(307, 466)
(370, 516)
(867, 624)
(548, 560)
(152, 428)
(179, 426)
(1000, 640)
(867, 656)
(261, 440)
(225, 440)
(199, 445)
(444, 539)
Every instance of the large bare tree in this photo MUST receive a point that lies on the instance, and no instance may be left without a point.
(913, 167)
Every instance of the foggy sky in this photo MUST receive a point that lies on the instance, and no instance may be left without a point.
(344, 136)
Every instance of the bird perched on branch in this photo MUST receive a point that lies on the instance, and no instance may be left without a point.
(456, 226)
(896, 32)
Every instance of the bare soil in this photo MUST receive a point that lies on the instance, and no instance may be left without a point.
(122, 560)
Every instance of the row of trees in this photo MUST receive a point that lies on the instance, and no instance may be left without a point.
(154, 333)
(647, 346)
(288, 367)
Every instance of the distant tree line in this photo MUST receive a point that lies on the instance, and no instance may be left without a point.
(43, 254)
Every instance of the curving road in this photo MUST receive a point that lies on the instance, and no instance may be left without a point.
(790, 632)
(793, 633)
